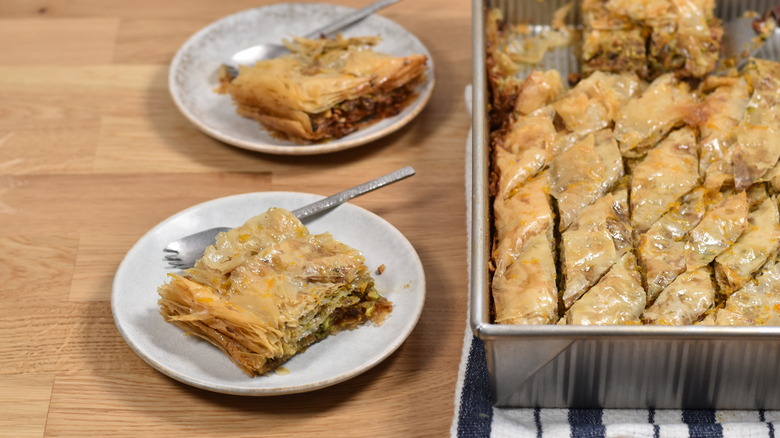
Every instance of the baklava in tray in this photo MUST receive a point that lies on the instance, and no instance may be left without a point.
(643, 191)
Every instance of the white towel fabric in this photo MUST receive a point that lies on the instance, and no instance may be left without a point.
(474, 415)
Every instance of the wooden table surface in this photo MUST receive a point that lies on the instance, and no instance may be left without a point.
(93, 153)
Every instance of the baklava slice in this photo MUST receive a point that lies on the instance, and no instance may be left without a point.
(686, 39)
(594, 102)
(524, 279)
(325, 89)
(735, 267)
(685, 301)
(651, 37)
(269, 289)
(583, 173)
(618, 298)
(757, 303)
(593, 244)
(662, 248)
(667, 173)
(524, 149)
(757, 145)
(647, 118)
(716, 117)
(611, 41)
(718, 230)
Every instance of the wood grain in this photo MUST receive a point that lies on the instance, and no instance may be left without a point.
(93, 153)
(65, 41)
(24, 401)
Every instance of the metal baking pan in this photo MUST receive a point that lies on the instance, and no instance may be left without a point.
(606, 366)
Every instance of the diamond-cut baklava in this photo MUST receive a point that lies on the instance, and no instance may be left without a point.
(647, 191)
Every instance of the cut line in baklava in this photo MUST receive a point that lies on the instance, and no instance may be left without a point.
(646, 190)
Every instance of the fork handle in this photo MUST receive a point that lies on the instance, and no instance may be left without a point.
(346, 195)
(351, 18)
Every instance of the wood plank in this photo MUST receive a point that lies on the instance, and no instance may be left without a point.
(37, 267)
(65, 41)
(48, 149)
(139, 405)
(63, 339)
(125, 205)
(208, 10)
(147, 40)
(106, 81)
(24, 402)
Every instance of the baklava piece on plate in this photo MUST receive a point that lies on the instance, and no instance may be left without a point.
(325, 88)
(268, 289)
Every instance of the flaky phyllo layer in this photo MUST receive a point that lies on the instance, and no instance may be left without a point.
(325, 89)
(625, 201)
(268, 289)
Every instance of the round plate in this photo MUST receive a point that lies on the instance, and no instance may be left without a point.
(193, 74)
(339, 357)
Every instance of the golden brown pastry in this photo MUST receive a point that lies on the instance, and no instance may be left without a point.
(757, 144)
(667, 173)
(268, 289)
(618, 298)
(662, 248)
(735, 266)
(757, 303)
(524, 282)
(647, 118)
(325, 89)
(718, 230)
(685, 301)
(584, 172)
(657, 193)
(651, 37)
(593, 244)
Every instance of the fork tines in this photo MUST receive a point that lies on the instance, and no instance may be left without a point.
(173, 259)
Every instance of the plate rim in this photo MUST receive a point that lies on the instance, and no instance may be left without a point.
(363, 366)
(417, 106)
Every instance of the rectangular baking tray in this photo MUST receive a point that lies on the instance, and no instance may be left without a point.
(691, 367)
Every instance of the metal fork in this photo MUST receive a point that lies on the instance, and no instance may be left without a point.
(251, 55)
(183, 253)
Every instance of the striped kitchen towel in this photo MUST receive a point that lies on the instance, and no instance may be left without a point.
(476, 417)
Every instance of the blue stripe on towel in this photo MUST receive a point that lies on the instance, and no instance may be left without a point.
(538, 422)
(586, 423)
(476, 409)
(651, 420)
(702, 423)
(770, 427)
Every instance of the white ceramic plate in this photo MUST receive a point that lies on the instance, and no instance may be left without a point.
(334, 359)
(193, 74)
